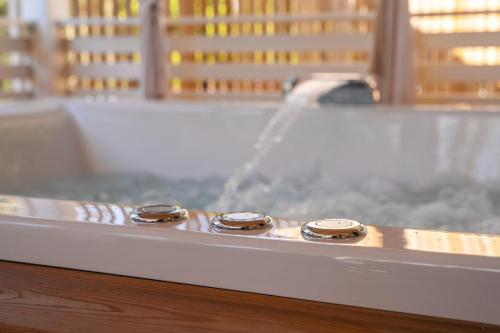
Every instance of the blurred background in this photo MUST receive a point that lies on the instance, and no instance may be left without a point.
(242, 49)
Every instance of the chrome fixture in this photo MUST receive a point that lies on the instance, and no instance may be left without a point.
(158, 214)
(289, 84)
(332, 89)
(242, 221)
(332, 229)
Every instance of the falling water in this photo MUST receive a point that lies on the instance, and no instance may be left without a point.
(272, 134)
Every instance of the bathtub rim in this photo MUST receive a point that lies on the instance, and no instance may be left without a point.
(90, 244)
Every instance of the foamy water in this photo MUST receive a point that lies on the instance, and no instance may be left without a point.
(448, 203)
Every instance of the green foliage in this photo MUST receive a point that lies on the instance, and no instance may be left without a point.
(3, 8)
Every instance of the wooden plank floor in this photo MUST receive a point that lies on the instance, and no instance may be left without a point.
(45, 299)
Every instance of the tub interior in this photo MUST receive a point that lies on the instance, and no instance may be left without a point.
(435, 169)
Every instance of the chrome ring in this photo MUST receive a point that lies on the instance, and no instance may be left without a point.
(332, 229)
(158, 214)
(242, 221)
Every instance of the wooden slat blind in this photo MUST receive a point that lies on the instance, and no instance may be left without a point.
(16, 61)
(212, 44)
(458, 57)
(245, 48)
(101, 47)
(222, 49)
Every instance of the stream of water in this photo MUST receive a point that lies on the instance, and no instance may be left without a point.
(272, 134)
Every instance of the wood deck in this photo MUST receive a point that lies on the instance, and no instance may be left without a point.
(46, 299)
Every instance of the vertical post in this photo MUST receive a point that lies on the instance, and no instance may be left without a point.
(14, 11)
(47, 60)
(393, 53)
(153, 81)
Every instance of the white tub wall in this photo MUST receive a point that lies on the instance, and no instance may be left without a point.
(178, 140)
(173, 140)
(350, 143)
(38, 143)
(404, 145)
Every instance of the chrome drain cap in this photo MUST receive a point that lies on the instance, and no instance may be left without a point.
(242, 221)
(333, 229)
(158, 214)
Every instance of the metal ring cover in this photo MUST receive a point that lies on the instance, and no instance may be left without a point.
(158, 214)
(333, 229)
(242, 221)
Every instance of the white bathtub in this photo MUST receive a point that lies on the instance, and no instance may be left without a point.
(423, 272)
